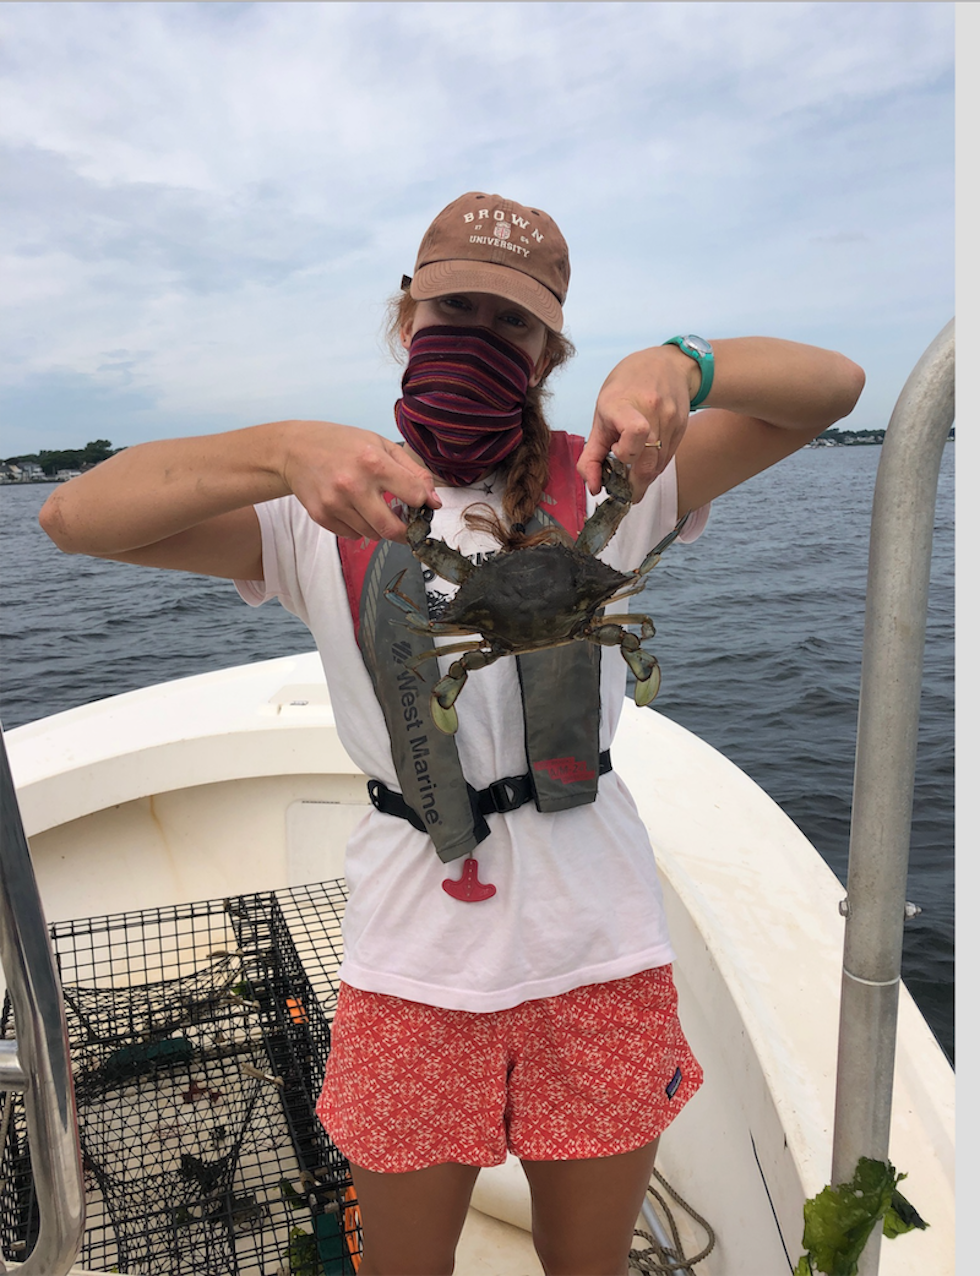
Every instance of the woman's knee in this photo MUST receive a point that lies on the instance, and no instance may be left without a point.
(558, 1257)
(584, 1211)
(411, 1222)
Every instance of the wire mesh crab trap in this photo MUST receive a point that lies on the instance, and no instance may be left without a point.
(199, 1035)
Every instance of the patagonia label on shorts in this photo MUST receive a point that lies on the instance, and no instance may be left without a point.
(673, 1083)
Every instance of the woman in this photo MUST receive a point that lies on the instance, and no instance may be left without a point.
(522, 999)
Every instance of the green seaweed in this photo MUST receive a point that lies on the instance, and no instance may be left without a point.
(291, 1196)
(133, 1061)
(323, 1253)
(302, 1253)
(838, 1221)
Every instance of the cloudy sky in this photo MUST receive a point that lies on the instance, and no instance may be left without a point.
(206, 205)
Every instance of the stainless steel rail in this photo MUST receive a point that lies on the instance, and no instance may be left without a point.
(884, 773)
(38, 1063)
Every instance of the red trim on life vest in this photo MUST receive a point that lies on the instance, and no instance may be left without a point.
(565, 487)
(355, 555)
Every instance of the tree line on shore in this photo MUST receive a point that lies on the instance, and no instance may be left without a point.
(848, 438)
(81, 458)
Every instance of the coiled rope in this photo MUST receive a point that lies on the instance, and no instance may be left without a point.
(658, 1261)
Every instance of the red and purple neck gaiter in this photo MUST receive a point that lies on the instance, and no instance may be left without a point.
(462, 403)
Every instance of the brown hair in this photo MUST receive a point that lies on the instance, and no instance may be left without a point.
(527, 466)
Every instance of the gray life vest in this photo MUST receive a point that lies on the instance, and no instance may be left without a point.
(559, 693)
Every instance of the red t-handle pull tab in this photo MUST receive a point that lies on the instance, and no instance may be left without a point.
(468, 887)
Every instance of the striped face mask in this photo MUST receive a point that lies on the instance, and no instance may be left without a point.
(462, 403)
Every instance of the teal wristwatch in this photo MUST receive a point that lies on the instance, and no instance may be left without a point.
(700, 351)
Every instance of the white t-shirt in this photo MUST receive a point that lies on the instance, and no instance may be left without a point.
(577, 899)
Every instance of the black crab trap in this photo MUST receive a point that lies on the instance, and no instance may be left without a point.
(199, 1035)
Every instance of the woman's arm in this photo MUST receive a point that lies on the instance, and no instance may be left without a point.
(769, 398)
(187, 503)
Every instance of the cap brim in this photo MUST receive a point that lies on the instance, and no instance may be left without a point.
(441, 277)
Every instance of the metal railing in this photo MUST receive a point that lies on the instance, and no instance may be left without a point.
(884, 772)
(38, 1063)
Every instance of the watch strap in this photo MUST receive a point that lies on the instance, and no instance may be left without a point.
(705, 360)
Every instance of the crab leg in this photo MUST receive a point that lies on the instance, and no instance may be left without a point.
(418, 623)
(446, 690)
(442, 558)
(645, 668)
(626, 593)
(447, 650)
(653, 558)
(600, 528)
(614, 624)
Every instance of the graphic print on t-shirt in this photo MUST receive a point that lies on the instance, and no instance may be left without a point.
(439, 593)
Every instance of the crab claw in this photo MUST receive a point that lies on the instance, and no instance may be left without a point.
(444, 695)
(601, 526)
(446, 720)
(418, 526)
(646, 690)
(647, 673)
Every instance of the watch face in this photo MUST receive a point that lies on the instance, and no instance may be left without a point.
(699, 344)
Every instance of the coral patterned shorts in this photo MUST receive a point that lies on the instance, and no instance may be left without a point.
(597, 1071)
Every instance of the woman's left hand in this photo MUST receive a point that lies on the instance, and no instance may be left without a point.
(644, 401)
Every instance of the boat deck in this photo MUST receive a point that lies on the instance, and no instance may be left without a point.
(237, 784)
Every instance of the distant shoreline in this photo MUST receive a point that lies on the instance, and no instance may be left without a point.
(874, 440)
(859, 438)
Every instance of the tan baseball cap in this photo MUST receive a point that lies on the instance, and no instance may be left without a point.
(483, 243)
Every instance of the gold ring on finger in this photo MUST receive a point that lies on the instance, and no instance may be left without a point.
(659, 443)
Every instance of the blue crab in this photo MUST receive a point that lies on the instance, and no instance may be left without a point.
(533, 598)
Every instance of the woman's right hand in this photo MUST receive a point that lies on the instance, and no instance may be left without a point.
(187, 504)
(340, 473)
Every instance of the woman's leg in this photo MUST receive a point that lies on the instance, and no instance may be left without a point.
(584, 1212)
(412, 1221)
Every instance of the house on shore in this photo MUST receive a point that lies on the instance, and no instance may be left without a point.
(21, 472)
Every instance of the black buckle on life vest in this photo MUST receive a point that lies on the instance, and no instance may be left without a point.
(505, 795)
(502, 795)
(391, 803)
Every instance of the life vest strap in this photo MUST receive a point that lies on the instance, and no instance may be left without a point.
(500, 796)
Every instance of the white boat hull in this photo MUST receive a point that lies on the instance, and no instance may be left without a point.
(236, 782)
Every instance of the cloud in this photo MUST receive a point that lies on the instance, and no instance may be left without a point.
(35, 411)
(175, 237)
(233, 190)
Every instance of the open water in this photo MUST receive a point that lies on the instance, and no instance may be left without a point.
(759, 634)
